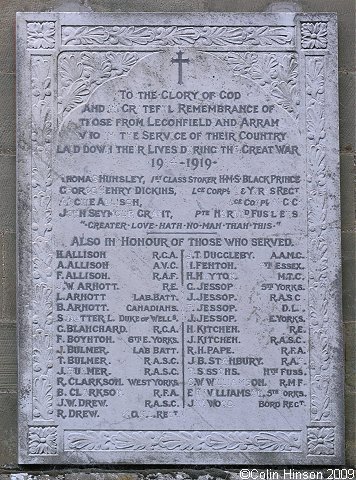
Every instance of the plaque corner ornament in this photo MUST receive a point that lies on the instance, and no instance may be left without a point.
(41, 35)
(43, 440)
(314, 35)
(321, 440)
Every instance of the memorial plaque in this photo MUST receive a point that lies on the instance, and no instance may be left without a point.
(179, 244)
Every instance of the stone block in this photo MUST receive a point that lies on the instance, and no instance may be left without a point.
(350, 382)
(8, 428)
(7, 114)
(8, 193)
(347, 82)
(240, 6)
(350, 429)
(347, 185)
(146, 5)
(8, 359)
(348, 276)
(7, 277)
(350, 347)
(101, 476)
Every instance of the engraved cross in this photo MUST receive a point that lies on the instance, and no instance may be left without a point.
(180, 60)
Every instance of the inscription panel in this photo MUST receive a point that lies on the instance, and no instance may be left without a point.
(179, 239)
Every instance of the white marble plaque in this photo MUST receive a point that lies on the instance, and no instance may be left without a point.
(179, 244)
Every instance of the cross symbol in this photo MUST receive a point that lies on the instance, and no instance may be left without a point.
(180, 62)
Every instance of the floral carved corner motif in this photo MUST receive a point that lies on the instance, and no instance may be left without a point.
(81, 73)
(314, 35)
(41, 35)
(276, 74)
(321, 440)
(43, 440)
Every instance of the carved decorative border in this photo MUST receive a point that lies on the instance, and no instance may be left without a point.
(41, 229)
(253, 36)
(320, 344)
(184, 441)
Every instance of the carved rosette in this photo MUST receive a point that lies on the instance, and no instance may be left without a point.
(185, 441)
(321, 440)
(80, 73)
(41, 35)
(275, 73)
(314, 35)
(42, 440)
(42, 275)
(261, 36)
(320, 348)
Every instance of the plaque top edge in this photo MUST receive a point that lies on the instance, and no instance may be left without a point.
(284, 17)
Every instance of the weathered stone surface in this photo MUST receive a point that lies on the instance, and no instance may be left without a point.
(7, 114)
(350, 434)
(347, 181)
(7, 183)
(350, 339)
(8, 375)
(102, 476)
(8, 426)
(8, 281)
(347, 107)
(206, 474)
(178, 184)
(348, 276)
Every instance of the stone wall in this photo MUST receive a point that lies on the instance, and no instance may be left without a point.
(8, 362)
